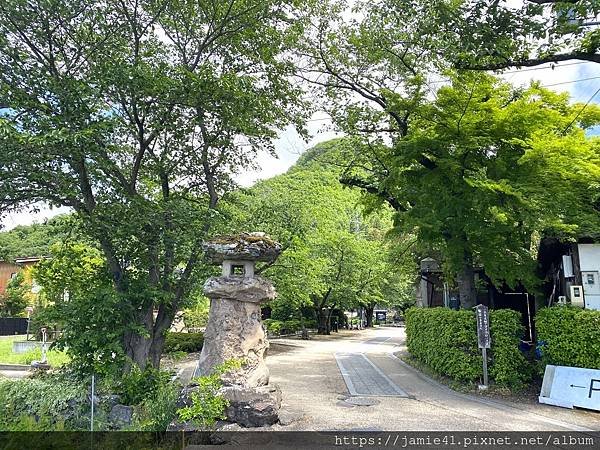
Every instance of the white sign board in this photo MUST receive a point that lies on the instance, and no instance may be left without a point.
(571, 386)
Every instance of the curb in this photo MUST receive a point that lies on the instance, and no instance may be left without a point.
(16, 367)
(494, 403)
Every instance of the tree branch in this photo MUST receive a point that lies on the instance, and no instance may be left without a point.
(575, 55)
(364, 185)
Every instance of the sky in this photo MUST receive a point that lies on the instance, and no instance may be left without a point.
(581, 80)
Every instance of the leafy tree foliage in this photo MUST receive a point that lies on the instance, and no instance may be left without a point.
(495, 35)
(78, 290)
(14, 299)
(334, 255)
(136, 115)
(476, 170)
(482, 34)
(36, 239)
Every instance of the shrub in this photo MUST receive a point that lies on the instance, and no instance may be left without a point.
(207, 404)
(273, 326)
(509, 367)
(156, 412)
(291, 326)
(183, 342)
(446, 341)
(197, 315)
(42, 404)
(288, 326)
(138, 385)
(310, 323)
(569, 336)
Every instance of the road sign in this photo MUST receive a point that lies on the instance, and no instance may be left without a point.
(483, 327)
(571, 386)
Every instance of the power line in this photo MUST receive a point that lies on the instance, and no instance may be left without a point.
(557, 66)
(571, 81)
(581, 110)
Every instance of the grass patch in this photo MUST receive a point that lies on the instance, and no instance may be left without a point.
(55, 357)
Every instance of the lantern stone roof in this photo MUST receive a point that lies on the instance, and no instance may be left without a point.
(242, 247)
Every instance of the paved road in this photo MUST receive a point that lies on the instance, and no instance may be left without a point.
(317, 376)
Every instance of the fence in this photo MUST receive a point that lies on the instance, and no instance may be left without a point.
(13, 325)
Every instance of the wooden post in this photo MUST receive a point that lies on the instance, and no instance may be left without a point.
(485, 368)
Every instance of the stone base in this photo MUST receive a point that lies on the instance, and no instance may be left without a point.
(234, 331)
(252, 406)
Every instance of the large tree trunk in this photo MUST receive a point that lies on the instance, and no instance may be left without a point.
(136, 345)
(322, 321)
(369, 313)
(466, 286)
(137, 350)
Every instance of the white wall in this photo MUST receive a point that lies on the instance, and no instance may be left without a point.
(589, 257)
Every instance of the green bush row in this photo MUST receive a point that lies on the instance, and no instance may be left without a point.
(288, 326)
(569, 336)
(446, 341)
(183, 342)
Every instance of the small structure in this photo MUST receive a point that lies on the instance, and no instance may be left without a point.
(572, 271)
(234, 329)
(43, 363)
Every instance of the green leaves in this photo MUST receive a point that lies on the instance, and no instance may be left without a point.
(335, 255)
(138, 117)
(208, 405)
(569, 336)
(446, 341)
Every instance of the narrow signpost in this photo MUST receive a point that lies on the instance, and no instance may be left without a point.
(483, 338)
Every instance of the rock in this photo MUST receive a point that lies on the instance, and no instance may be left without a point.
(243, 246)
(109, 400)
(234, 331)
(184, 398)
(120, 415)
(176, 425)
(222, 425)
(287, 417)
(242, 289)
(252, 406)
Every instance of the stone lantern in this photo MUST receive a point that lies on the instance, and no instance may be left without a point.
(234, 329)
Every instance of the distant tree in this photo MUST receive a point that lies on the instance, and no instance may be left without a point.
(14, 299)
(335, 254)
(36, 239)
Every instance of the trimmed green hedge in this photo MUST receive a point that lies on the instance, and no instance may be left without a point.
(183, 342)
(288, 326)
(569, 336)
(446, 341)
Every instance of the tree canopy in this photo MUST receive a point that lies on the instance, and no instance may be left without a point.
(475, 168)
(335, 255)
